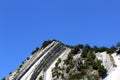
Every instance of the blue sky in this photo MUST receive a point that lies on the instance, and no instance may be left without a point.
(25, 24)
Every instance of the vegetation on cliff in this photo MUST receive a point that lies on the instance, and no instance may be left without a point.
(86, 66)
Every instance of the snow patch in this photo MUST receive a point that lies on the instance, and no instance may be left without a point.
(114, 74)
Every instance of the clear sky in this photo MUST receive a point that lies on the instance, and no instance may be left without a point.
(25, 24)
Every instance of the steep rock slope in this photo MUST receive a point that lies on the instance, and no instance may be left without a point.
(114, 72)
(39, 63)
(56, 61)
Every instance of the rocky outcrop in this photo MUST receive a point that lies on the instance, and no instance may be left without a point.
(56, 61)
(40, 63)
(106, 60)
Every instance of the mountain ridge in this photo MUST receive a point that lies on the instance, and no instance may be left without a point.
(54, 56)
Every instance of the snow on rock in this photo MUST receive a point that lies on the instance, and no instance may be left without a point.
(106, 60)
(116, 59)
(114, 74)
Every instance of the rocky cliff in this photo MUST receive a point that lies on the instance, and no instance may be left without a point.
(56, 61)
(40, 63)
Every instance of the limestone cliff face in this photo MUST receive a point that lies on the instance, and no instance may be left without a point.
(40, 63)
(56, 61)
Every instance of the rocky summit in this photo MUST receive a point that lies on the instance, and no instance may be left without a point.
(57, 61)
